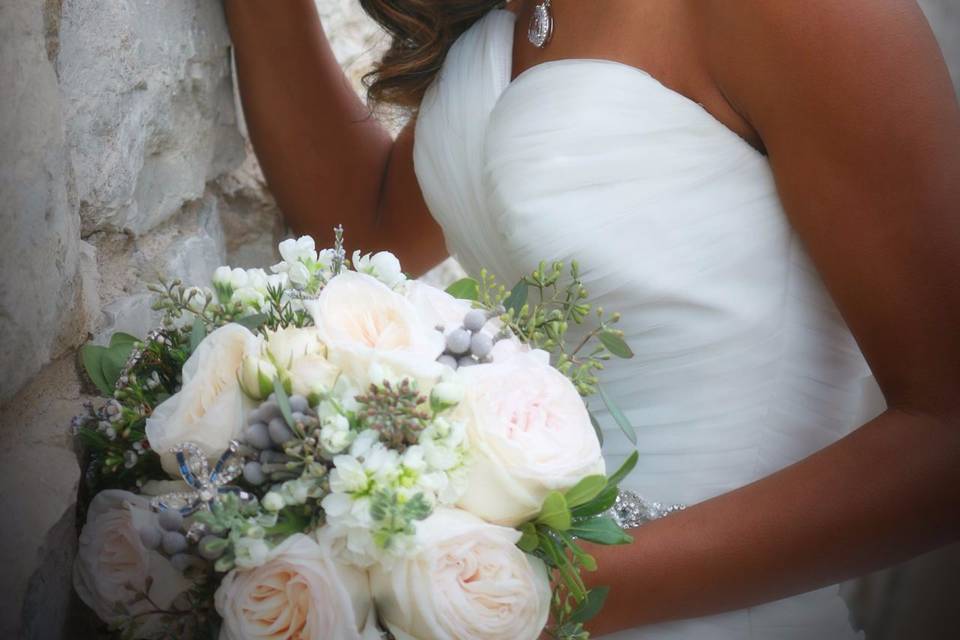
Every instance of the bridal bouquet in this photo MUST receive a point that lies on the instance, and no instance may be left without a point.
(333, 451)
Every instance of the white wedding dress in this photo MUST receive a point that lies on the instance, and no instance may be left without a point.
(743, 364)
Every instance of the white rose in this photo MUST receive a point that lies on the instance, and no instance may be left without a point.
(364, 323)
(529, 434)
(286, 345)
(466, 581)
(303, 356)
(299, 593)
(210, 409)
(111, 556)
(383, 266)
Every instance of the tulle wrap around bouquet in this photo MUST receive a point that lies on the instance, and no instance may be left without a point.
(333, 451)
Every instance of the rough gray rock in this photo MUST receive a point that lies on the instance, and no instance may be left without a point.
(39, 245)
(149, 107)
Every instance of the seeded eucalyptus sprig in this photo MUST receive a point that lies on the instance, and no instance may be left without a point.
(541, 310)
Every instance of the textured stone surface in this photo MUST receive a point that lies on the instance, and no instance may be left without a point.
(149, 107)
(40, 238)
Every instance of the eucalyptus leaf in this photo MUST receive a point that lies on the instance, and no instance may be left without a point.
(197, 333)
(596, 427)
(618, 416)
(517, 297)
(617, 477)
(112, 362)
(557, 557)
(121, 338)
(91, 355)
(604, 501)
(615, 344)
(585, 490)
(283, 401)
(555, 513)
(465, 289)
(528, 541)
(601, 530)
(591, 605)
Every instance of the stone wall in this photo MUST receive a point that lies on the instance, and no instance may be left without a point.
(122, 158)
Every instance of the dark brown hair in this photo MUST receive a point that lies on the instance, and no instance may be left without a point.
(421, 33)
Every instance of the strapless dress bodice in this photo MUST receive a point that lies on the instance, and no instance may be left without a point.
(743, 363)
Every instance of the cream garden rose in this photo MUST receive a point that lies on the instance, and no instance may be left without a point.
(210, 408)
(372, 331)
(529, 434)
(299, 593)
(467, 581)
(111, 556)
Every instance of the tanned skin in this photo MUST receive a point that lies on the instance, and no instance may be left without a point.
(853, 105)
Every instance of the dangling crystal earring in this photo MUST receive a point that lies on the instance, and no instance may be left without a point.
(541, 25)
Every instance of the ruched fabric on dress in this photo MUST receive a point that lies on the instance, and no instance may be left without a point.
(743, 364)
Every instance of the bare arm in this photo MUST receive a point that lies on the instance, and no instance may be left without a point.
(855, 107)
(327, 161)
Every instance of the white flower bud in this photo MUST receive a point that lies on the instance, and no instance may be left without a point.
(446, 395)
(256, 376)
(273, 501)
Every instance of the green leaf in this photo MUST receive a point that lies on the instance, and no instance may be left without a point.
(197, 334)
(554, 513)
(517, 297)
(590, 606)
(91, 355)
(604, 501)
(618, 416)
(624, 470)
(615, 344)
(113, 360)
(585, 490)
(465, 289)
(121, 338)
(557, 557)
(253, 322)
(586, 560)
(283, 401)
(601, 530)
(596, 427)
(528, 540)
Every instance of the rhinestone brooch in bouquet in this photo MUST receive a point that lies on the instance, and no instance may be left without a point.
(334, 451)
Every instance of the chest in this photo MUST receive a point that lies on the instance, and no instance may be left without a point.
(665, 39)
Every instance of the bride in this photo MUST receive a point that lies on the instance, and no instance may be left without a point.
(769, 192)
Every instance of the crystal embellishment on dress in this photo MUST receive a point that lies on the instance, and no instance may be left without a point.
(541, 25)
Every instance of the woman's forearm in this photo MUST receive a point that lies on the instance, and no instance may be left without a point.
(886, 492)
(321, 152)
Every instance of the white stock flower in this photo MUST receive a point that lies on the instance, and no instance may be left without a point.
(299, 592)
(383, 266)
(364, 323)
(529, 433)
(111, 556)
(302, 249)
(335, 434)
(250, 552)
(467, 580)
(210, 408)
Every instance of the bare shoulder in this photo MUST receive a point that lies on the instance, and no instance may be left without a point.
(775, 59)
